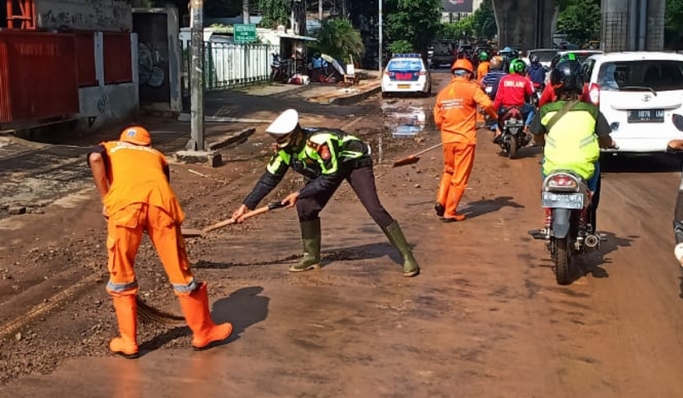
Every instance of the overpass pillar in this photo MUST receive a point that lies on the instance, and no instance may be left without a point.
(632, 25)
(525, 23)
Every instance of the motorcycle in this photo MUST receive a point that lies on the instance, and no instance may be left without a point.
(567, 232)
(513, 135)
(279, 69)
(538, 92)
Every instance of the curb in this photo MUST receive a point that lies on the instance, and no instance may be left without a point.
(231, 138)
(356, 97)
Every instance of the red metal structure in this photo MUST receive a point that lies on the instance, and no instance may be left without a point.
(39, 75)
(21, 14)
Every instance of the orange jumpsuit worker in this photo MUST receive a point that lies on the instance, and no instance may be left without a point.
(133, 181)
(455, 113)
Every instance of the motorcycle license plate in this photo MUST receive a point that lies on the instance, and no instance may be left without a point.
(572, 201)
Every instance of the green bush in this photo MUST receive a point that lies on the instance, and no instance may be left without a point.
(400, 47)
(338, 39)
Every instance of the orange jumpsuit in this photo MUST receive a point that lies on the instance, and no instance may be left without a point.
(140, 199)
(455, 113)
(482, 70)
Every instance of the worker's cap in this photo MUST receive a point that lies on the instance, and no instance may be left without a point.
(136, 135)
(284, 124)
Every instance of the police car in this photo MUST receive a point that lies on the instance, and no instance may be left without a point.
(406, 73)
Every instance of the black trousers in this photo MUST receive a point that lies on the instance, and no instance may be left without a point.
(362, 181)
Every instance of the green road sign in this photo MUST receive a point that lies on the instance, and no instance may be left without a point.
(244, 33)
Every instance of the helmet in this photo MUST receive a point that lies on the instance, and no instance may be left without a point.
(568, 57)
(462, 64)
(534, 59)
(136, 135)
(483, 56)
(282, 128)
(517, 66)
(496, 63)
(567, 77)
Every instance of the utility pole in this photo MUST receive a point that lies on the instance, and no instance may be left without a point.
(320, 11)
(197, 142)
(381, 70)
(246, 18)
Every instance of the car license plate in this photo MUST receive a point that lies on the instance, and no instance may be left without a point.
(406, 86)
(562, 200)
(646, 116)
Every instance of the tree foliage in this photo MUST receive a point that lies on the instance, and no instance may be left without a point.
(484, 21)
(457, 30)
(674, 22)
(415, 21)
(274, 12)
(339, 39)
(579, 20)
(401, 47)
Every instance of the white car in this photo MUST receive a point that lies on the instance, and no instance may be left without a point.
(641, 95)
(406, 73)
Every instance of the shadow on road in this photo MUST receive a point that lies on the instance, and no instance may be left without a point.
(659, 163)
(481, 207)
(243, 308)
(363, 252)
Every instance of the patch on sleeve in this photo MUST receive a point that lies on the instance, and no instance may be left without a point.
(324, 152)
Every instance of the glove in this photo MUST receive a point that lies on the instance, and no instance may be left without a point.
(678, 252)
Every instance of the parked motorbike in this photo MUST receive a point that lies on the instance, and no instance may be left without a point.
(279, 69)
(513, 136)
(568, 232)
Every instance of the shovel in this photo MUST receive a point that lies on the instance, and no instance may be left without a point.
(193, 233)
(412, 159)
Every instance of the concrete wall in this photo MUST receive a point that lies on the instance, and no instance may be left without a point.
(160, 58)
(96, 15)
(104, 105)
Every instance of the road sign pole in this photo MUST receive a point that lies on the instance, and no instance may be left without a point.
(380, 37)
(197, 142)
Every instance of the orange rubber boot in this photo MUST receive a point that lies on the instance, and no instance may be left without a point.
(455, 194)
(442, 194)
(195, 307)
(127, 314)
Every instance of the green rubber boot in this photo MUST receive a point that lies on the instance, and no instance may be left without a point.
(396, 237)
(310, 235)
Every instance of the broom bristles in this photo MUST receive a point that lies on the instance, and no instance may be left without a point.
(153, 315)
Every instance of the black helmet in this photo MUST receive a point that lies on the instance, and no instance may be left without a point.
(567, 77)
(534, 59)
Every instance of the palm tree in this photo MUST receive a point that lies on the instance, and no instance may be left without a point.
(339, 39)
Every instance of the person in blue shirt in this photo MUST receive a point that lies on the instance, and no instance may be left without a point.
(536, 72)
(490, 82)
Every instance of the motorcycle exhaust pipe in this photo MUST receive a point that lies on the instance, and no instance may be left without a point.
(592, 241)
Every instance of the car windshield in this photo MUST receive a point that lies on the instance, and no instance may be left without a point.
(657, 75)
(543, 56)
(405, 65)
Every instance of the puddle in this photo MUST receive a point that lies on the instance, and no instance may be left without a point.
(404, 121)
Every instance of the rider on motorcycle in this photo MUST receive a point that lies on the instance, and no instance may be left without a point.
(677, 145)
(575, 139)
(548, 94)
(483, 67)
(514, 90)
(492, 79)
(536, 72)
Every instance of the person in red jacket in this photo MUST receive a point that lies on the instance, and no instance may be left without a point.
(513, 91)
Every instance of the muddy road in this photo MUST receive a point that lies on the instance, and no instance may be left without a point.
(484, 319)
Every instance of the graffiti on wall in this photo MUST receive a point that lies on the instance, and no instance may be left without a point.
(153, 57)
(113, 15)
(152, 65)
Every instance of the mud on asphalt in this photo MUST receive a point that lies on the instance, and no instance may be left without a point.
(56, 245)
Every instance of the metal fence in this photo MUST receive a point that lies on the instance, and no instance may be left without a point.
(229, 65)
(614, 31)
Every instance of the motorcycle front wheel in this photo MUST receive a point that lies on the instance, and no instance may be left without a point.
(562, 258)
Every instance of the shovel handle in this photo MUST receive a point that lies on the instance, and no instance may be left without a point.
(230, 221)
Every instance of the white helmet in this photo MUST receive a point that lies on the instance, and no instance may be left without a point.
(283, 126)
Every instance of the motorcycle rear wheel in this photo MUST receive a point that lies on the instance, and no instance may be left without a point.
(562, 258)
(512, 148)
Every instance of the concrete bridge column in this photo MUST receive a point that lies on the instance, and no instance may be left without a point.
(632, 25)
(525, 23)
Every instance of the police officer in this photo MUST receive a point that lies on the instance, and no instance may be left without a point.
(325, 157)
